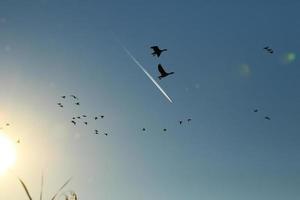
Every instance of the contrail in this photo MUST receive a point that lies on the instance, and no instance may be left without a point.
(145, 71)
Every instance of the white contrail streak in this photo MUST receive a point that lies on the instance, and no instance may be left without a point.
(145, 71)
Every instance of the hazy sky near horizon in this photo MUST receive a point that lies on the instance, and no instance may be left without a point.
(50, 48)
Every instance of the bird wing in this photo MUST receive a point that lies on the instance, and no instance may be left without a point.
(155, 48)
(161, 70)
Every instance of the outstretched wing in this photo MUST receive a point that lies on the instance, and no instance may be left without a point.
(155, 48)
(161, 70)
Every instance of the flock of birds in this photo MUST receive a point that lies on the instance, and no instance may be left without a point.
(156, 52)
(84, 119)
(75, 120)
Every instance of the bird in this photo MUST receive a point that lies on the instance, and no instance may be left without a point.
(60, 105)
(73, 122)
(73, 117)
(7, 124)
(96, 132)
(162, 72)
(102, 116)
(106, 134)
(73, 96)
(85, 123)
(83, 115)
(269, 49)
(18, 141)
(267, 118)
(165, 129)
(95, 118)
(157, 51)
(180, 122)
(63, 97)
(143, 129)
(255, 110)
(78, 117)
(77, 103)
(189, 119)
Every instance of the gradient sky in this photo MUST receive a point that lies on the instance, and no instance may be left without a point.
(49, 48)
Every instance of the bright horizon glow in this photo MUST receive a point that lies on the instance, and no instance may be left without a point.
(7, 153)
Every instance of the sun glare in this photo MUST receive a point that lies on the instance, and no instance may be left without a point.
(7, 153)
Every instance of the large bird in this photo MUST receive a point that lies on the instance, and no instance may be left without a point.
(162, 72)
(157, 51)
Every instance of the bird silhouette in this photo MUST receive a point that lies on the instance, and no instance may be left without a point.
(77, 103)
(255, 110)
(267, 118)
(106, 134)
(189, 119)
(63, 97)
(84, 116)
(157, 51)
(162, 72)
(143, 129)
(18, 141)
(73, 117)
(78, 117)
(96, 132)
(268, 49)
(85, 123)
(60, 105)
(95, 118)
(73, 96)
(7, 124)
(180, 122)
(164, 129)
(73, 122)
(102, 116)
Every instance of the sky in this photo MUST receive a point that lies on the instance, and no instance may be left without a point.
(227, 152)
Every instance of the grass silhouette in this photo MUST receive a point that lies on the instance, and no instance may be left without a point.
(71, 196)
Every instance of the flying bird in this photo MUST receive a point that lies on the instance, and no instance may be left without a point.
(165, 129)
(162, 72)
(77, 103)
(102, 116)
(95, 118)
(73, 117)
(63, 97)
(18, 141)
(78, 117)
(189, 119)
(96, 132)
(157, 51)
(73, 122)
(60, 105)
(267, 118)
(180, 122)
(85, 123)
(7, 124)
(143, 129)
(83, 115)
(269, 49)
(255, 110)
(73, 96)
(146, 72)
(106, 134)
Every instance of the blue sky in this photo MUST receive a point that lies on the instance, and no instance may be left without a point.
(52, 48)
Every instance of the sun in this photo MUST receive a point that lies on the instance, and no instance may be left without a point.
(7, 153)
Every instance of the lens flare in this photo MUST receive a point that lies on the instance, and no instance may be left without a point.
(245, 70)
(289, 57)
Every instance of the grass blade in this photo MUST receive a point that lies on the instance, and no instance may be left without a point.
(42, 187)
(25, 188)
(62, 187)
